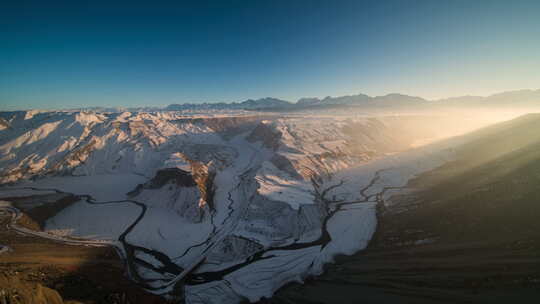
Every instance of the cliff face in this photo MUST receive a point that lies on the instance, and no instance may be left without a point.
(203, 177)
(174, 176)
(189, 193)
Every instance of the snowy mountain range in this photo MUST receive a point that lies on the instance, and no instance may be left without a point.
(219, 207)
(519, 98)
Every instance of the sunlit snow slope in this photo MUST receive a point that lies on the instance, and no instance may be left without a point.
(216, 209)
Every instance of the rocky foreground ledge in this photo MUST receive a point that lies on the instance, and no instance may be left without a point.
(36, 270)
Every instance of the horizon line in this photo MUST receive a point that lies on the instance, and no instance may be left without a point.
(270, 97)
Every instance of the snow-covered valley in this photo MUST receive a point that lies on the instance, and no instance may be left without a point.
(217, 209)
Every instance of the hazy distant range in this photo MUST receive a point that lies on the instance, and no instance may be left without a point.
(512, 100)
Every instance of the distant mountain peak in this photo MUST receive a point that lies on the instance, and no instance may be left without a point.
(525, 97)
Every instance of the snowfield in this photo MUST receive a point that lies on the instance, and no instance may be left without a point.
(225, 207)
(102, 187)
(101, 222)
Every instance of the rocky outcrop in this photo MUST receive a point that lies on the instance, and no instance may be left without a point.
(204, 178)
(15, 291)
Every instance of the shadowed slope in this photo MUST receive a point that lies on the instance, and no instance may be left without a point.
(467, 233)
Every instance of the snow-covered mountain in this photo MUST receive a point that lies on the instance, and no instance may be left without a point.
(216, 208)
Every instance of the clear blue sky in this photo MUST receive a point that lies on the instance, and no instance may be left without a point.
(70, 54)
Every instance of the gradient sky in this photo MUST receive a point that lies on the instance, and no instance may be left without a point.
(71, 54)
